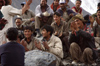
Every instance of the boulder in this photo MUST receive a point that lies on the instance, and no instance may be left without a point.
(39, 58)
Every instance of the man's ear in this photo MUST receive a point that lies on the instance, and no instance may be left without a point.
(49, 32)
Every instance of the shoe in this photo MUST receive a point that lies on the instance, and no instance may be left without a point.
(94, 64)
(74, 62)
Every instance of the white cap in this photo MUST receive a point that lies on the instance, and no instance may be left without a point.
(62, 1)
(46, 14)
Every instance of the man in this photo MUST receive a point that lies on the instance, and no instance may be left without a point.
(95, 14)
(28, 17)
(67, 1)
(61, 31)
(43, 16)
(19, 22)
(8, 11)
(77, 7)
(12, 53)
(66, 13)
(82, 44)
(55, 5)
(28, 41)
(50, 43)
(20, 28)
(95, 24)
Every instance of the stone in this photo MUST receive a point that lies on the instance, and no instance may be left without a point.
(39, 58)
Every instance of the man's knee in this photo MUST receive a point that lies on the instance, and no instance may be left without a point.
(73, 44)
(88, 50)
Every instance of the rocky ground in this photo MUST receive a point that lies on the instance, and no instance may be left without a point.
(67, 62)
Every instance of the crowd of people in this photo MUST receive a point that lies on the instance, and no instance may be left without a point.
(65, 32)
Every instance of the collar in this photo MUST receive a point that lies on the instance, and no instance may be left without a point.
(29, 41)
(61, 23)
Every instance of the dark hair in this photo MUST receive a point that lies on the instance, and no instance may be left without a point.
(46, 0)
(18, 18)
(12, 33)
(98, 4)
(86, 17)
(79, 1)
(7, 2)
(55, 0)
(48, 28)
(28, 28)
(98, 10)
(58, 14)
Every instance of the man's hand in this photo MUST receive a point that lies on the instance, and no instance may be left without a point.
(38, 44)
(74, 27)
(46, 45)
(71, 15)
(32, 19)
(23, 43)
(62, 19)
(28, 2)
(60, 34)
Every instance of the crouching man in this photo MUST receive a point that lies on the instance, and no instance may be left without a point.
(50, 43)
(82, 48)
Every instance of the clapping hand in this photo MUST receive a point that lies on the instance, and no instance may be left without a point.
(45, 45)
(38, 44)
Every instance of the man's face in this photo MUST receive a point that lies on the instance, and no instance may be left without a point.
(45, 33)
(78, 3)
(98, 13)
(67, 2)
(98, 7)
(56, 18)
(27, 33)
(56, 2)
(62, 5)
(18, 22)
(43, 2)
(10, 2)
(79, 23)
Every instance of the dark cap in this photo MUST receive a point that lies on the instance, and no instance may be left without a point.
(23, 3)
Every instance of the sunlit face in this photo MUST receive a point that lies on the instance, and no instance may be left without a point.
(43, 2)
(56, 2)
(45, 33)
(18, 22)
(78, 3)
(98, 13)
(62, 5)
(56, 18)
(27, 33)
(79, 23)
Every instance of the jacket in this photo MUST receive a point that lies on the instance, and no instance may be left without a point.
(84, 40)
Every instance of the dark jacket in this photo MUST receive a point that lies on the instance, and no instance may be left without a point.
(68, 10)
(84, 40)
(12, 54)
